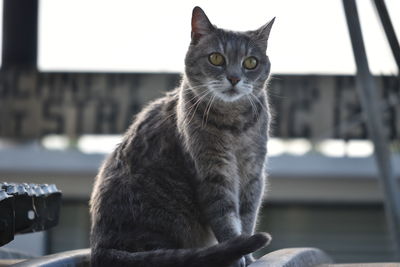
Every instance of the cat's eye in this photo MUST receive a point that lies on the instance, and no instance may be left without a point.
(250, 63)
(216, 59)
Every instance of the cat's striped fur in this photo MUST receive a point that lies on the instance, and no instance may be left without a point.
(184, 186)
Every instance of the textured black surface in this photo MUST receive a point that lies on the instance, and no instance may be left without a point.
(26, 208)
(6, 218)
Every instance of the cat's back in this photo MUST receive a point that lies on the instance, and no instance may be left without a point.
(149, 144)
(140, 143)
(148, 173)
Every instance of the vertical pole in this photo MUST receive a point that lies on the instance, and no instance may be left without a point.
(367, 91)
(380, 7)
(20, 24)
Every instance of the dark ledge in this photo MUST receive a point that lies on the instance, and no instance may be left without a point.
(290, 257)
(73, 258)
(293, 257)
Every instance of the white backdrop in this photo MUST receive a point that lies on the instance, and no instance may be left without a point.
(309, 36)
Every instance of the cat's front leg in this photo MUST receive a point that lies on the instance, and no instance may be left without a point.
(250, 201)
(219, 198)
(217, 181)
(240, 263)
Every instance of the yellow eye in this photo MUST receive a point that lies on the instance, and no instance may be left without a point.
(250, 63)
(216, 59)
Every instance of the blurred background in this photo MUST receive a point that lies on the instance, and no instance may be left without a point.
(86, 67)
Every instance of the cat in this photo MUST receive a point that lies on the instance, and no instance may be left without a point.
(184, 186)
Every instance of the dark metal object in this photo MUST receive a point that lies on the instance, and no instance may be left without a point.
(52, 202)
(367, 90)
(24, 209)
(20, 24)
(389, 30)
(7, 217)
(27, 208)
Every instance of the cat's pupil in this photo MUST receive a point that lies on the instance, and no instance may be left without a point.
(250, 63)
(216, 59)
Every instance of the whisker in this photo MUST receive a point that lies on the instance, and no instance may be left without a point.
(258, 113)
(275, 94)
(195, 96)
(195, 106)
(200, 85)
(165, 119)
(261, 104)
(205, 111)
(253, 106)
(208, 112)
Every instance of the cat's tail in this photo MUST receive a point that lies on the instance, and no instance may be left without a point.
(220, 255)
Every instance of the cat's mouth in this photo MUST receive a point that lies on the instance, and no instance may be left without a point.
(231, 92)
(230, 95)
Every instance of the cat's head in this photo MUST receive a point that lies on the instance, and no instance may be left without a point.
(224, 63)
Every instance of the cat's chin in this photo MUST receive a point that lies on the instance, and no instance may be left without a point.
(229, 95)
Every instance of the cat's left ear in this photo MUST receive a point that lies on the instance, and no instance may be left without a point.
(201, 25)
(261, 35)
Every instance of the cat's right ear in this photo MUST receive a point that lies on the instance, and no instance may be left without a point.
(262, 34)
(201, 25)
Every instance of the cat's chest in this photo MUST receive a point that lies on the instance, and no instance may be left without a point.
(250, 153)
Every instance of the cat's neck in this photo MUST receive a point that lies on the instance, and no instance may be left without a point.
(230, 108)
(245, 109)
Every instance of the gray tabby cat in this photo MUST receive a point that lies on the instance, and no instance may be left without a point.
(185, 185)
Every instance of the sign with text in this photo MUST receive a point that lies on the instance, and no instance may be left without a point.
(34, 104)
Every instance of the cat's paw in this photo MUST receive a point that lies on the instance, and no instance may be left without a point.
(240, 263)
(249, 259)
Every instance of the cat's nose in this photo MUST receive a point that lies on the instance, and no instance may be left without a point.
(234, 80)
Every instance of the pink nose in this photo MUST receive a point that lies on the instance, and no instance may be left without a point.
(233, 80)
